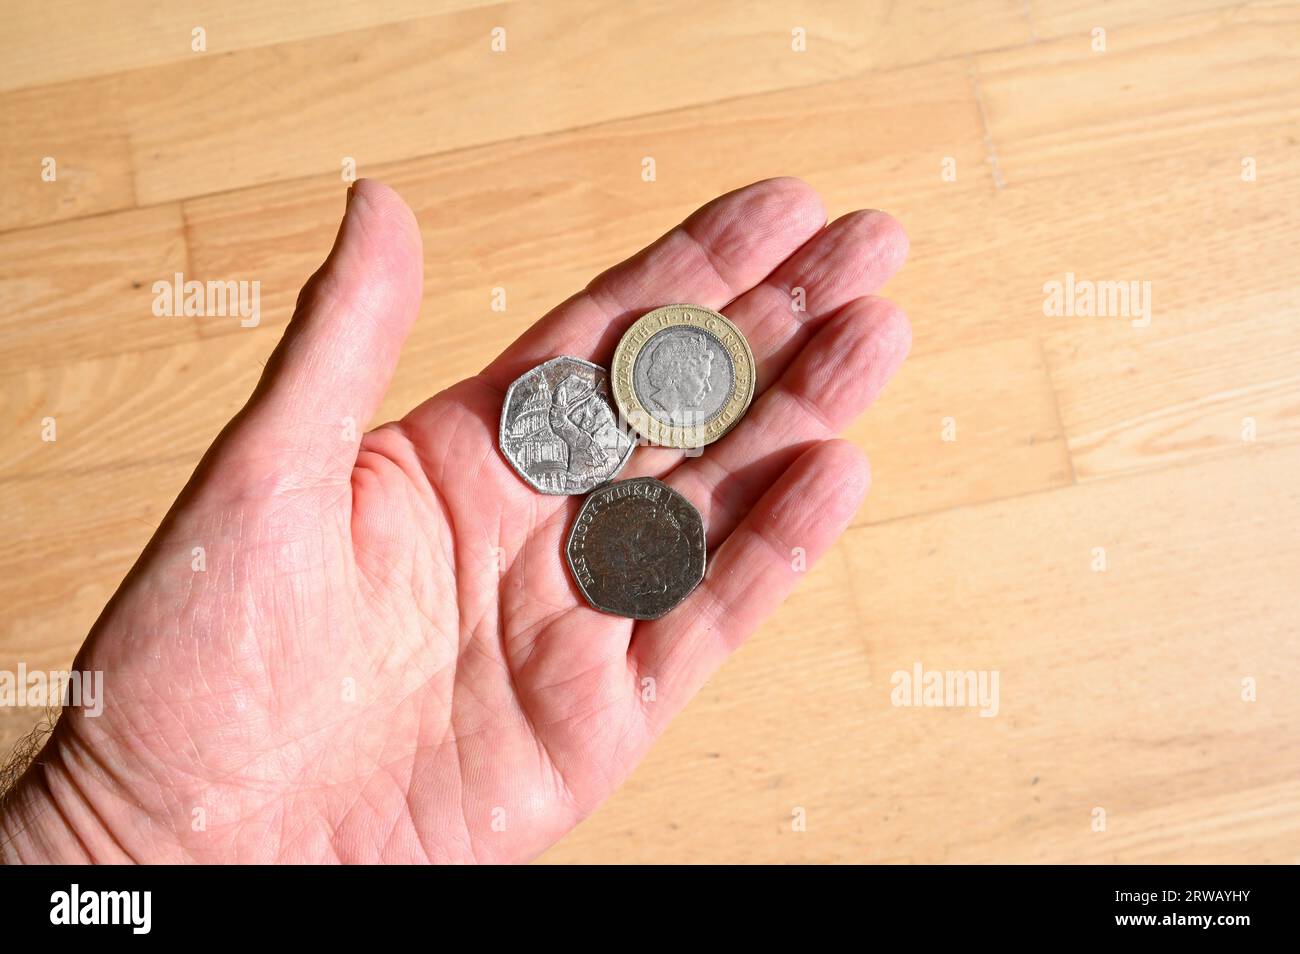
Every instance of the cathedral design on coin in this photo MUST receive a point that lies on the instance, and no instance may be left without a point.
(682, 376)
(558, 429)
(636, 548)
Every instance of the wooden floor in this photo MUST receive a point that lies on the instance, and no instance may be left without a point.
(1103, 514)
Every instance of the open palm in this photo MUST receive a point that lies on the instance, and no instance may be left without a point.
(368, 647)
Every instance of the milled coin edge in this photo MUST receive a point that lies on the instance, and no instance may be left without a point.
(665, 435)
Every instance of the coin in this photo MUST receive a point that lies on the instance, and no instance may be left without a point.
(558, 429)
(636, 548)
(682, 376)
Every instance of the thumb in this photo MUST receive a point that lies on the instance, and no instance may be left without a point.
(331, 369)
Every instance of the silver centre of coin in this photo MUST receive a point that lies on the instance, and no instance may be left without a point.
(559, 430)
(683, 376)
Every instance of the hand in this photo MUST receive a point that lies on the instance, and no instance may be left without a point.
(385, 658)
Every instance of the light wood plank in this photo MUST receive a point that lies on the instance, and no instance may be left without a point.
(960, 427)
(1130, 402)
(1220, 84)
(52, 41)
(1055, 18)
(232, 121)
(73, 290)
(1125, 166)
(214, 123)
(155, 405)
(64, 153)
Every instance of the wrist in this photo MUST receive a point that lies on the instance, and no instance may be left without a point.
(59, 812)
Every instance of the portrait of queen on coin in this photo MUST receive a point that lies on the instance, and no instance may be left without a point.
(685, 376)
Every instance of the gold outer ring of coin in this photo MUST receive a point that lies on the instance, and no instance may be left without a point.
(639, 335)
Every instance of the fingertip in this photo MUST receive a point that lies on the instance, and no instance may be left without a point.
(851, 467)
(846, 366)
(785, 207)
(820, 492)
(888, 328)
(796, 195)
(379, 198)
(341, 347)
(857, 354)
(885, 239)
(377, 262)
(384, 219)
(853, 256)
(806, 212)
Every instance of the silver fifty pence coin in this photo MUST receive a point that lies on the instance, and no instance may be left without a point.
(636, 548)
(559, 430)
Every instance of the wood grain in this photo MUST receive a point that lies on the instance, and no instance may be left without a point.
(1177, 88)
(58, 40)
(79, 289)
(961, 427)
(1131, 402)
(64, 152)
(212, 123)
(1054, 18)
(579, 194)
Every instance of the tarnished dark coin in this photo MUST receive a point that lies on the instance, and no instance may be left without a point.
(636, 548)
(558, 429)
